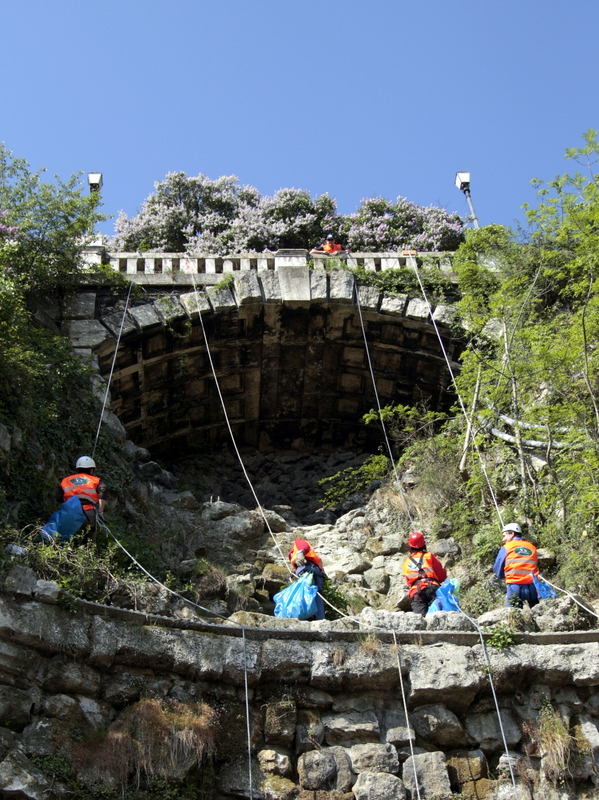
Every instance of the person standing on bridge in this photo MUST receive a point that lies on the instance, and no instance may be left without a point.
(423, 572)
(517, 562)
(329, 247)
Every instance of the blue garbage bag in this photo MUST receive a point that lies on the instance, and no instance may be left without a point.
(64, 523)
(544, 591)
(446, 598)
(298, 600)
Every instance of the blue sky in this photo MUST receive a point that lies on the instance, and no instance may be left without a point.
(353, 98)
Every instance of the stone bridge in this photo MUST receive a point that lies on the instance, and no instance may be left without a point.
(285, 339)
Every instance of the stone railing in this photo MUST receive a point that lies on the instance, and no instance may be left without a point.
(182, 264)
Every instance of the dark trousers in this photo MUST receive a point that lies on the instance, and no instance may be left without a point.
(519, 593)
(422, 599)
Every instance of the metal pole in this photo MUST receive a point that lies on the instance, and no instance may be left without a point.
(472, 211)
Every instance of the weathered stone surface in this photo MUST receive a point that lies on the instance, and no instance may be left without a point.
(169, 309)
(381, 786)
(276, 762)
(377, 580)
(20, 581)
(247, 288)
(344, 777)
(295, 285)
(221, 299)
(21, 779)
(353, 726)
(483, 730)
(144, 316)
(46, 591)
(447, 675)
(195, 303)
(309, 732)
(317, 770)
(279, 722)
(15, 708)
(234, 781)
(391, 620)
(271, 286)
(373, 757)
(81, 306)
(86, 333)
(70, 677)
(369, 298)
(447, 621)
(62, 706)
(318, 286)
(394, 305)
(341, 285)
(429, 770)
(444, 315)
(114, 321)
(398, 731)
(467, 765)
(562, 614)
(436, 724)
(417, 309)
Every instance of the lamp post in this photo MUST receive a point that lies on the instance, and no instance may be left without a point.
(95, 181)
(462, 181)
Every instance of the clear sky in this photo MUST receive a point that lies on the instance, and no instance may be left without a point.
(355, 98)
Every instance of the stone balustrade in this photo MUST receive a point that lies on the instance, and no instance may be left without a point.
(169, 265)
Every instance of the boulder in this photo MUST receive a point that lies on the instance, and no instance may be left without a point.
(437, 724)
(309, 731)
(429, 771)
(279, 722)
(275, 762)
(20, 778)
(349, 727)
(20, 581)
(15, 708)
(62, 675)
(381, 786)
(373, 757)
(562, 614)
(317, 770)
(483, 730)
(464, 766)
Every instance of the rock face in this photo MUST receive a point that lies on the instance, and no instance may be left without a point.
(326, 716)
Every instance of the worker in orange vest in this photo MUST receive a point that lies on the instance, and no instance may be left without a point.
(304, 559)
(517, 562)
(423, 572)
(89, 488)
(330, 247)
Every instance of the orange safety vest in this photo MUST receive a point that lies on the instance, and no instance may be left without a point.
(419, 572)
(331, 248)
(309, 553)
(521, 561)
(83, 485)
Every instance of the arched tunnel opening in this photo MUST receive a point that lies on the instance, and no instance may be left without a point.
(295, 381)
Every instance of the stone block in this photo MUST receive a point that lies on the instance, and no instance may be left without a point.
(317, 770)
(144, 316)
(373, 757)
(383, 786)
(20, 581)
(221, 299)
(467, 765)
(271, 288)
(438, 725)
(369, 298)
(417, 309)
(275, 762)
(400, 621)
(86, 332)
(377, 580)
(429, 771)
(448, 675)
(341, 285)
(114, 321)
(15, 708)
(483, 730)
(247, 288)
(295, 285)
(394, 305)
(445, 315)
(318, 286)
(21, 778)
(309, 732)
(279, 722)
(70, 677)
(46, 591)
(195, 303)
(169, 309)
(82, 306)
(351, 727)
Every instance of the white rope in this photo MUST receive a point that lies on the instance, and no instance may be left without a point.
(116, 350)
(378, 403)
(208, 611)
(230, 429)
(405, 710)
(553, 586)
(453, 380)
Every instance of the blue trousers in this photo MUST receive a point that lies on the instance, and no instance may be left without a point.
(518, 593)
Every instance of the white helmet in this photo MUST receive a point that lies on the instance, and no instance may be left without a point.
(85, 462)
(512, 526)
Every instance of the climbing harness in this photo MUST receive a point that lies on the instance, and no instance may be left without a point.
(116, 350)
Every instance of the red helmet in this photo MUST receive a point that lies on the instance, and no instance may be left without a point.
(416, 540)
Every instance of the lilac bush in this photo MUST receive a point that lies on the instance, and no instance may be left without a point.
(220, 216)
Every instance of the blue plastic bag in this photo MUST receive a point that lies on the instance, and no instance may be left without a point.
(446, 598)
(298, 600)
(64, 523)
(544, 591)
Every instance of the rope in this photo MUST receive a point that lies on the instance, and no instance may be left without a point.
(453, 380)
(553, 586)
(208, 611)
(116, 350)
(405, 710)
(238, 454)
(378, 402)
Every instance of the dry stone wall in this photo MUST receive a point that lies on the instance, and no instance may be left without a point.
(326, 719)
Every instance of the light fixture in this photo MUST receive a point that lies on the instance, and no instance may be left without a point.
(95, 181)
(462, 181)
